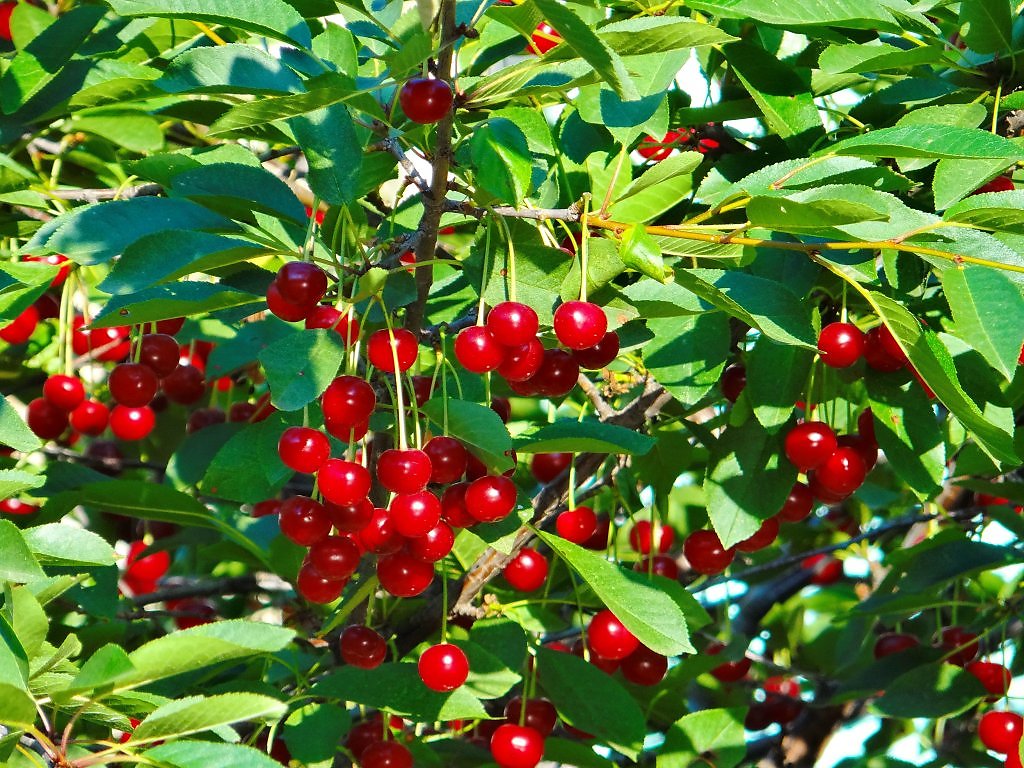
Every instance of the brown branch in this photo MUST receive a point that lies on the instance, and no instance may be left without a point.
(233, 585)
(604, 410)
(96, 195)
(391, 145)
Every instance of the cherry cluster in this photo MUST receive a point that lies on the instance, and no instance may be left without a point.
(657, 150)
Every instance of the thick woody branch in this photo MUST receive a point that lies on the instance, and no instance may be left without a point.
(391, 145)
(235, 585)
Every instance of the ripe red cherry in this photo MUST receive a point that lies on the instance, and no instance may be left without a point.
(876, 354)
(965, 643)
(609, 638)
(600, 355)
(184, 385)
(798, 504)
(763, 538)
(334, 557)
(350, 518)
(284, 309)
(580, 324)
(21, 328)
(502, 407)
(316, 588)
(1001, 731)
(641, 536)
(995, 677)
(866, 426)
(544, 38)
(132, 423)
(893, 642)
(729, 671)
(512, 324)
(705, 553)
(890, 346)
(808, 445)
(405, 471)
(443, 667)
(998, 184)
(576, 525)
(840, 344)
(386, 754)
(599, 539)
(17, 507)
(841, 473)
(491, 498)
(363, 647)
(821, 493)
(422, 389)
(661, 565)
(171, 326)
(303, 449)
(133, 384)
(477, 350)
(266, 507)
(159, 352)
(644, 666)
(867, 450)
(365, 735)
(110, 344)
(414, 514)
(434, 545)
(557, 375)
(426, 100)
(65, 392)
(447, 457)
(527, 571)
(517, 746)
(149, 568)
(540, 714)
(403, 575)
(733, 382)
(90, 418)
(825, 569)
(652, 149)
(344, 323)
(382, 353)
(300, 282)
(348, 400)
(53, 259)
(522, 363)
(304, 520)
(453, 506)
(203, 418)
(545, 467)
(379, 535)
(343, 482)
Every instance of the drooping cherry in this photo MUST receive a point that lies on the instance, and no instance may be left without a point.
(512, 324)
(523, 362)
(443, 667)
(580, 324)
(415, 514)
(517, 746)
(334, 557)
(644, 666)
(65, 392)
(304, 520)
(890, 643)
(798, 504)
(576, 525)
(403, 575)
(609, 638)
(301, 282)
(527, 571)
(133, 384)
(129, 423)
(363, 647)
(491, 498)
(840, 344)
(447, 458)
(764, 537)
(383, 353)
(184, 385)
(477, 350)
(809, 444)
(404, 471)
(343, 482)
(600, 355)
(348, 400)
(705, 553)
(426, 100)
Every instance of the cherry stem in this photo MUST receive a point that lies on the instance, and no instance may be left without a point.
(484, 275)
(584, 250)
(572, 482)
(64, 351)
(415, 406)
(510, 260)
(399, 395)
(444, 599)
(307, 243)
(439, 369)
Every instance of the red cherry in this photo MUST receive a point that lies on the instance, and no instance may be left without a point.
(65, 392)
(527, 571)
(386, 754)
(365, 735)
(808, 445)
(443, 667)
(53, 259)
(783, 686)
(1001, 731)
(656, 151)
(304, 521)
(422, 389)
(544, 38)
(540, 714)
(477, 350)
(203, 418)
(705, 553)
(995, 677)
(876, 355)
(798, 504)
(382, 353)
(284, 309)
(241, 412)
(21, 328)
(729, 671)
(866, 426)
(763, 538)
(893, 642)
(159, 352)
(841, 344)
(517, 746)
(641, 536)
(348, 400)
(825, 569)
(344, 323)
(171, 326)
(152, 567)
(600, 355)
(841, 473)
(890, 345)
(132, 423)
(1013, 760)
(490, 498)
(521, 363)
(502, 407)
(599, 539)
(557, 375)
(300, 282)
(350, 518)
(317, 588)
(434, 545)
(110, 345)
(405, 471)
(453, 506)
(661, 565)
(865, 449)
(402, 575)
(17, 507)
(644, 666)
(363, 647)
(415, 514)
(133, 384)
(580, 324)
(965, 644)
(266, 508)
(343, 482)
(47, 306)
(512, 324)
(821, 493)
(379, 535)
(426, 100)
(733, 382)
(184, 385)
(545, 467)
(577, 525)
(334, 557)
(447, 457)
(998, 184)
(609, 638)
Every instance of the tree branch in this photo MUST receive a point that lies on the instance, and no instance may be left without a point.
(233, 585)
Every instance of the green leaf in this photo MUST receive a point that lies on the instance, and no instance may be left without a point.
(190, 649)
(399, 689)
(539, 273)
(662, 172)
(272, 18)
(300, 367)
(589, 435)
(667, 184)
(16, 561)
(581, 38)
(853, 14)
(956, 179)
(989, 312)
(14, 481)
(662, 300)
(625, 120)
(105, 667)
(710, 731)
(231, 68)
(132, 129)
(238, 190)
(987, 25)
(640, 251)
(990, 210)
(941, 141)
(502, 159)
(776, 379)
(815, 210)
(931, 691)
(247, 467)
(160, 302)
(477, 427)
(748, 481)
(17, 707)
(940, 561)
(591, 700)
(644, 35)
(688, 353)
(254, 114)
(876, 56)
(195, 714)
(332, 149)
(58, 544)
(202, 754)
(574, 753)
(657, 616)
(313, 732)
(489, 676)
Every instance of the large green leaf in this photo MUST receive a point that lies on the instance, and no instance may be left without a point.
(15, 481)
(938, 141)
(238, 190)
(160, 302)
(232, 68)
(777, 376)
(195, 714)
(855, 14)
(589, 435)
(502, 159)
(660, 34)
(247, 467)
(908, 432)
(932, 690)
(875, 57)
(815, 210)
(57, 544)
(202, 754)
(989, 312)
(987, 25)
(710, 731)
(301, 366)
(332, 149)
(476, 426)
(16, 561)
(252, 114)
(688, 353)
(991, 210)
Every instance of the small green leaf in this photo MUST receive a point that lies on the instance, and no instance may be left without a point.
(16, 561)
(203, 754)
(931, 691)
(195, 714)
(67, 545)
(478, 428)
(908, 432)
(502, 158)
(688, 353)
(989, 312)
(939, 141)
(15, 481)
(711, 731)
(589, 435)
(160, 302)
(301, 366)
(334, 152)
(776, 379)
(640, 251)
(105, 667)
(987, 25)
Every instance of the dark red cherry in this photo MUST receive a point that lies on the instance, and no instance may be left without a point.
(363, 647)
(705, 553)
(1001, 731)
(580, 324)
(344, 323)
(517, 746)
(809, 444)
(841, 473)
(641, 536)
(729, 671)
(447, 459)
(512, 323)
(577, 525)
(825, 569)
(798, 504)
(266, 508)
(317, 588)
(382, 353)
(184, 385)
(132, 423)
(284, 309)
(544, 38)
(403, 575)
(599, 539)
(654, 150)
(300, 282)
(434, 545)
(502, 407)
(877, 355)
(644, 666)
(491, 498)
(763, 538)
(171, 326)
(890, 346)
(334, 557)
(733, 382)
(90, 418)
(133, 384)
(241, 412)
(864, 448)
(404, 471)
(379, 535)
(540, 714)
(422, 389)
(453, 506)
(523, 362)
(365, 735)
(351, 518)
(53, 259)
(600, 355)
(159, 352)
(840, 344)
(111, 345)
(527, 571)
(304, 520)
(343, 482)
(21, 328)
(661, 565)
(545, 467)
(963, 643)
(386, 754)
(415, 514)
(998, 184)
(557, 375)
(994, 677)
(348, 400)
(477, 350)
(202, 418)
(893, 642)
(152, 567)
(866, 426)
(426, 100)
(443, 667)
(65, 392)
(609, 638)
